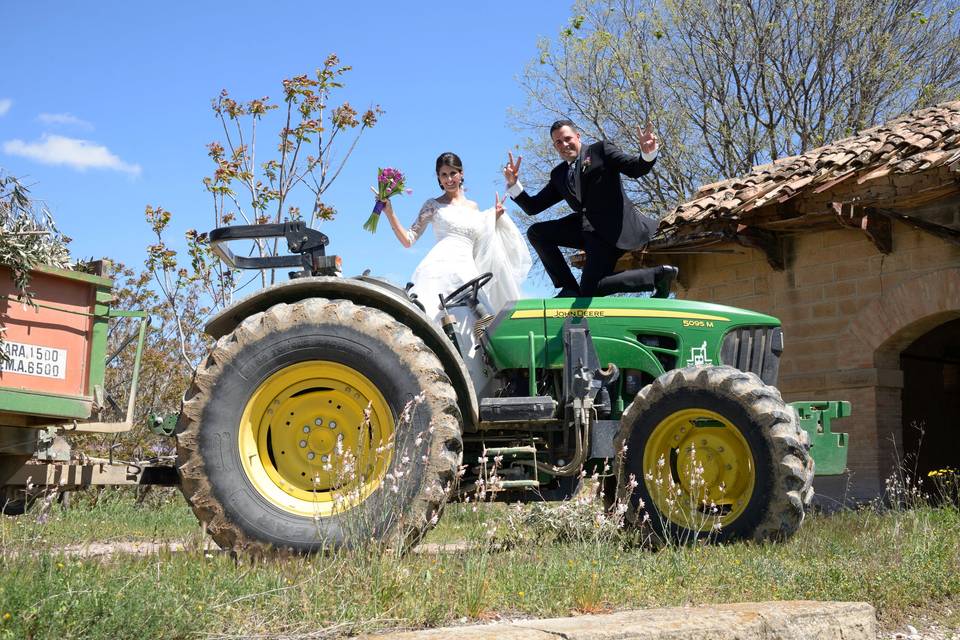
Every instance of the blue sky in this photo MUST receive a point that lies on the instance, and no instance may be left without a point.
(105, 106)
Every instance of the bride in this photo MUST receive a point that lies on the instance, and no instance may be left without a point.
(469, 242)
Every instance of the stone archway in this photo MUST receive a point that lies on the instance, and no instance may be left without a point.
(912, 308)
(931, 400)
(879, 335)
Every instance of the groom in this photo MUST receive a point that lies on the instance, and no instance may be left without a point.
(604, 223)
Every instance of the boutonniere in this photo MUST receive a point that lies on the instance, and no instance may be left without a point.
(586, 162)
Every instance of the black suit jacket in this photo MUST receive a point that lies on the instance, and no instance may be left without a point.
(602, 199)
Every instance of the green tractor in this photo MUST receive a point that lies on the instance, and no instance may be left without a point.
(332, 410)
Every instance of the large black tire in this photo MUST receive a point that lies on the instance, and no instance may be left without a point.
(12, 504)
(735, 462)
(312, 357)
(14, 500)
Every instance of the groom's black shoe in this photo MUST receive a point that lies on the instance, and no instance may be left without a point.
(663, 279)
(568, 292)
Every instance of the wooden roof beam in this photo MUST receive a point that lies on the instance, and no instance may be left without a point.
(766, 241)
(875, 225)
(948, 234)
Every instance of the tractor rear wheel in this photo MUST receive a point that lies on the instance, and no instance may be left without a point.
(318, 425)
(713, 451)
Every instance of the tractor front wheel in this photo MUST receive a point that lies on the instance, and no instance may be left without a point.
(315, 425)
(713, 451)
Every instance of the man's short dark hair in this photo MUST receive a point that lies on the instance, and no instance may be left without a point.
(562, 123)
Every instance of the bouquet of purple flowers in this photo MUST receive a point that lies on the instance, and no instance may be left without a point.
(390, 182)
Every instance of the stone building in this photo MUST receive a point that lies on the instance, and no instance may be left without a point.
(855, 246)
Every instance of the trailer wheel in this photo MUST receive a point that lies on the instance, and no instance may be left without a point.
(16, 501)
(713, 451)
(12, 505)
(317, 425)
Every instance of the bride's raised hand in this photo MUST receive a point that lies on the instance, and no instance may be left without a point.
(512, 169)
(498, 204)
(387, 207)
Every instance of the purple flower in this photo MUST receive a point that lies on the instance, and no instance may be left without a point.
(389, 183)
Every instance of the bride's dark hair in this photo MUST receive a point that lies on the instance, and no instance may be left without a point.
(449, 159)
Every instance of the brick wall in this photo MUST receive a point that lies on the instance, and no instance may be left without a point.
(847, 312)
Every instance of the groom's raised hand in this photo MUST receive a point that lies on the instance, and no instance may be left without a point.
(648, 139)
(512, 170)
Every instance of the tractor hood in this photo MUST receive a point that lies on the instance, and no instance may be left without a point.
(650, 335)
(652, 308)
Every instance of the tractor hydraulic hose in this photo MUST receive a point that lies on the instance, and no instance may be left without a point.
(580, 453)
(481, 325)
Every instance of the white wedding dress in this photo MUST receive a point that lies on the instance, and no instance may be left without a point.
(469, 242)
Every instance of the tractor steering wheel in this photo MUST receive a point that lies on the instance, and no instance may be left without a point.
(467, 292)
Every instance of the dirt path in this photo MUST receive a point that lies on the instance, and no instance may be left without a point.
(105, 549)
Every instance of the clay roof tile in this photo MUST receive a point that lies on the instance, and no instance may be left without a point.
(911, 142)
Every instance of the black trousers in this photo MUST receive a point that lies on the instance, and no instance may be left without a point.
(601, 256)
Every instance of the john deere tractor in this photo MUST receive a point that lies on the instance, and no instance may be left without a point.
(335, 409)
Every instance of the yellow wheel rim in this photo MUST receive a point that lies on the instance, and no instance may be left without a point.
(316, 438)
(698, 469)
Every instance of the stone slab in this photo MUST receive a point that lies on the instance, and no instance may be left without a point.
(784, 620)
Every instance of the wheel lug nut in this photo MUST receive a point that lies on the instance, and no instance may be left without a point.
(311, 455)
(325, 458)
(303, 444)
(318, 421)
(306, 428)
(333, 425)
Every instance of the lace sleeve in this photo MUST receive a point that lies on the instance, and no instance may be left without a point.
(427, 212)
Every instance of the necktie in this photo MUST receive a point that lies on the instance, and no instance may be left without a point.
(571, 177)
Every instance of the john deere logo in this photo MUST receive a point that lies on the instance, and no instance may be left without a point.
(576, 313)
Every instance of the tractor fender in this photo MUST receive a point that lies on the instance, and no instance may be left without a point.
(370, 292)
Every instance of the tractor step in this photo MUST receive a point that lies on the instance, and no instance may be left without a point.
(519, 409)
(502, 451)
(518, 484)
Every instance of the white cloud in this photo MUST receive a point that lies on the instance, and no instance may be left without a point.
(72, 152)
(5, 104)
(65, 119)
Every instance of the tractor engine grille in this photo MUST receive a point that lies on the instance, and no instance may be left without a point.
(754, 349)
